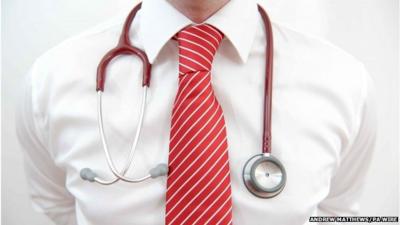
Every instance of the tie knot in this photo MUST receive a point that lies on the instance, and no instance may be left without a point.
(197, 47)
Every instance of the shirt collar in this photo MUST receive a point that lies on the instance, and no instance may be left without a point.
(160, 21)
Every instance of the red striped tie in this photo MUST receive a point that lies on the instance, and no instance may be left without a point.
(198, 184)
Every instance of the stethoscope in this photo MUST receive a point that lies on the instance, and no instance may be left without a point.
(263, 174)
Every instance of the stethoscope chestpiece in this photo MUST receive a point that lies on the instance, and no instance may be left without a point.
(264, 175)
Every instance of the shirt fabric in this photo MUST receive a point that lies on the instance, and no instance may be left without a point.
(323, 120)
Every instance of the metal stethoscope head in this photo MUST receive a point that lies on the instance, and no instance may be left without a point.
(264, 175)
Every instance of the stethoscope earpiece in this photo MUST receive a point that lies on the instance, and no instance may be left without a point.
(88, 174)
(158, 171)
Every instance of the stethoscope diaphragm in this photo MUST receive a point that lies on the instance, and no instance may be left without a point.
(264, 175)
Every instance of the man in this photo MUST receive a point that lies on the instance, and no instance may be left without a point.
(323, 121)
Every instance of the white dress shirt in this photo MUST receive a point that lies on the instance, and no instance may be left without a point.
(323, 120)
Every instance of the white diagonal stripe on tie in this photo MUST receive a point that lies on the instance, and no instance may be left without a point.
(190, 116)
(186, 96)
(204, 199)
(200, 179)
(213, 29)
(197, 158)
(186, 85)
(205, 186)
(193, 186)
(190, 141)
(172, 147)
(197, 44)
(194, 61)
(197, 53)
(200, 37)
(222, 218)
(205, 32)
(218, 185)
(187, 67)
(187, 107)
(211, 217)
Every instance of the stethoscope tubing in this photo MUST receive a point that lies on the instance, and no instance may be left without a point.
(129, 161)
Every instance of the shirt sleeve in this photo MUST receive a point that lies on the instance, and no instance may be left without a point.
(346, 185)
(46, 181)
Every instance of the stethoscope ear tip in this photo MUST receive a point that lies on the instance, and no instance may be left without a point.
(160, 170)
(88, 174)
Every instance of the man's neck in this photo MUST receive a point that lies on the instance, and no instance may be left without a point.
(198, 10)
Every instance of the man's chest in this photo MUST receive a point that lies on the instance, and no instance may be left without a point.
(309, 129)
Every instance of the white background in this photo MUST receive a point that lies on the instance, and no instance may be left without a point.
(368, 29)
